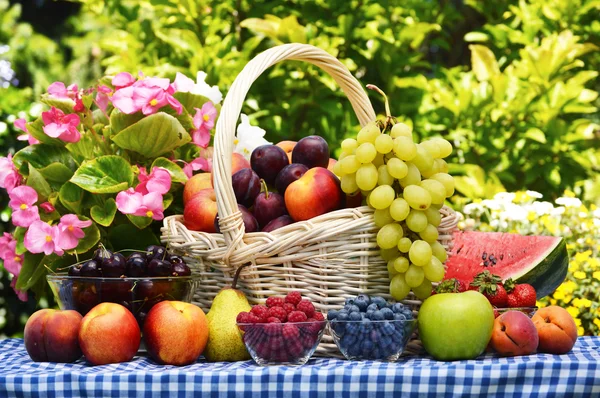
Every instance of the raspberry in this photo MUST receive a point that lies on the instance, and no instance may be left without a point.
(318, 316)
(273, 319)
(276, 343)
(308, 341)
(290, 332)
(295, 349)
(251, 318)
(293, 298)
(275, 302)
(242, 317)
(278, 312)
(314, 327)
(261, 312)
(307, 307)
(289, 307)
(273, 327)
(297, 316)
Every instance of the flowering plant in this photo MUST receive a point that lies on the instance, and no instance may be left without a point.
(102, 163)
(569, 217)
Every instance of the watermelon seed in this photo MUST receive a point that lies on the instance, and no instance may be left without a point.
(484, 256)
(501, 257)
(486, 263)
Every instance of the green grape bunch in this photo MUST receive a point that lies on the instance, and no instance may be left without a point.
(406, 183)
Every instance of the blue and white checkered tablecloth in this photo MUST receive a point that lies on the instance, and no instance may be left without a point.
(573, 374)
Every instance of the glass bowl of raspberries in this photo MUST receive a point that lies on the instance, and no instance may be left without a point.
(371, 328)
(283, 331)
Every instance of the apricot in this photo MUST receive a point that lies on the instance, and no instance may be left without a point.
(556, 330)
(288, 147)
(514, 334)
(51, 336)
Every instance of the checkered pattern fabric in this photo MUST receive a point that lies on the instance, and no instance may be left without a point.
(573, 374)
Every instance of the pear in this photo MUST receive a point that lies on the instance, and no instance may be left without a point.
(224, 340)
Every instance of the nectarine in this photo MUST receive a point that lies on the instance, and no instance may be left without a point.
(52, 336)
(196, 184)
(288, 147)
(200, 212)
(556, 330)
(316, 192)
(514, 334)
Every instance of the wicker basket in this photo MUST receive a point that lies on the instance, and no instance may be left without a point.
(327, 258)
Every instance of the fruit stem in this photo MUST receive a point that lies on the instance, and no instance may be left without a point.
(264, 186)
(237, 275)
(388, 113)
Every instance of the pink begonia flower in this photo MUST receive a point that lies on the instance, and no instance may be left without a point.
(58, 90)
(159, 181)
(70, 231)
(129, 201)
(22, 200)
(42, 238)
(195, 165)
(47, 207)
(147, 95)
(21, 294)
(21, 124)
(9, 176)
(13, 262)
(149, 205)
(5, 242)
(103, 97)
(123, 79)
(204, 121)
(79, 106)
(61, 126)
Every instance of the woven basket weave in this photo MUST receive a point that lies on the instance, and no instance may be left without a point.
(327, 258)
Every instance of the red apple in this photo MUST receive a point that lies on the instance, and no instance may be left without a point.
(175, 332)
(52, 336)
(200, 212)
(109, 333)
(288, 147)
(316, 192)
(196, 184)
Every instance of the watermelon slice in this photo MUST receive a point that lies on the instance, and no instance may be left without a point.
(541, 261)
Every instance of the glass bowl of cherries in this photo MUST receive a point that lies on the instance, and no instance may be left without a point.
(137, 281)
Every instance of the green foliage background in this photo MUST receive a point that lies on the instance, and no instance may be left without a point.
(514, 84)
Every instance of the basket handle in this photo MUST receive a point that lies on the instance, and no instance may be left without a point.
(231, 223)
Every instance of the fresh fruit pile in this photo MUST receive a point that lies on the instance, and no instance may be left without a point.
(371, 328)
(155, 261)
(284, 330)
(281, 184)
(406, 183)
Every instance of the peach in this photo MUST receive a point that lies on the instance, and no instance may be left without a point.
(200, 212)
(109, 334)
(316, 192)
(288, 147)
(195, 184)
(556, 330)
(175, 332)
(332, 163)
(514, 334)
(51, 336)
(238, 162)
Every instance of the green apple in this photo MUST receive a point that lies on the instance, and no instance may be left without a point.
(456, 325)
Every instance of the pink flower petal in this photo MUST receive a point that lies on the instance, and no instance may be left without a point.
(183, 83)
(24, 218)
(21, 124)
(22, 195)
(21, 294)
(41, 238)
(201, 137)
(123, 100)
(129, 201)
(123, 79)
(58, 90)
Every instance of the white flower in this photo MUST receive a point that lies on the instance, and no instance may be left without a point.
(542, 208)
(475, 209)
(558, 211)
(508, 197)
(515, 213)
(492, 204)
(534, 194)
(568, 202)
(596, 213)
(248, 137)
(501, 225)
(184, 84)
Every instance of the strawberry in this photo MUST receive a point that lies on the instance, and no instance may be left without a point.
(452, 285)
(491, 287)
(523, 295)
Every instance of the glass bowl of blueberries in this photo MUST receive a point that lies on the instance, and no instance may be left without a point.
(137, 281)
(371, 328)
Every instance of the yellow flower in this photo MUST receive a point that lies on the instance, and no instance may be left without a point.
(596, 275)
(574, 313)
(582, 302)
(580, 331)
(558, 294)
(579, 274)
(597, 322)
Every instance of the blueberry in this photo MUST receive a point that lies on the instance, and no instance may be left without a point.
(354, 350)
(397, 308)
(377, 316)
(361, 304)
(380, 301)
(367, 347)
(349, 301)
(351, 308)
(399, 317)
(364, 297)
(387, 313)
(372, 307)
(348, 340)
(351, 328)
(388, 329)
(366, 326)
(342, 315)
(407, 313)
(354, 316)
(375, 336)
(339, 328)
(332, 314)
(369, 314)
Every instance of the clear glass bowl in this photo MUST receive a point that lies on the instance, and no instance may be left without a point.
(282, 343)
(138, 295)
(372, 340)
(529, 311)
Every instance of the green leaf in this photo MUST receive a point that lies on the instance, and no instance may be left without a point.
(84, 148)
(476, 37)
(39, 183)
(120, 121)
(126, 236)
(71, 196)
(140, 222)
(89, 241)
(483, 62)
(106, 174)
(31, 263)
(56, 172)
(104, 215)
(177, 174)
(536, 134)
(36, 129)
(190, 101)
(64, 104)
(167, 200)
(19, 235)
(43, 155)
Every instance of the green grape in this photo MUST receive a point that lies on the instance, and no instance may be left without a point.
(420, 253)
(413, 177)
(378, 161)
(434, 270)
(401, 130)
(397, 168)
(382, 197)
(447, 181)
(424, 290)
(390, 267)
(439, 251)
(416, 221)
(389, 235)
(348, 183)
(343, 154)
(445, 147)
(423, 159)
(429, 234)
(399, 209)
(433, 216)
(384, 143)
(368, 133)
(436, 190)
(417, 197)
(349, 145)
(399, 289)
(389, 254)
(441, 165)
(435, 169)
(349, 164)
(337, 170)
(384, 176)
(366, 152)
(404, 244)
(432, 147)
(405, 148)
(414, 276)
(401, 264)
(367, 199)
(366, 177)
(382, 217)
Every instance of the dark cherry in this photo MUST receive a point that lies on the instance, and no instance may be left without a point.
(181, 269)
(75, 270)
(90, 269)
(137, 254)
(158, 267)
(155, 251)
(101, 254)
(136, 266)
(114, 266)
(175, 259)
